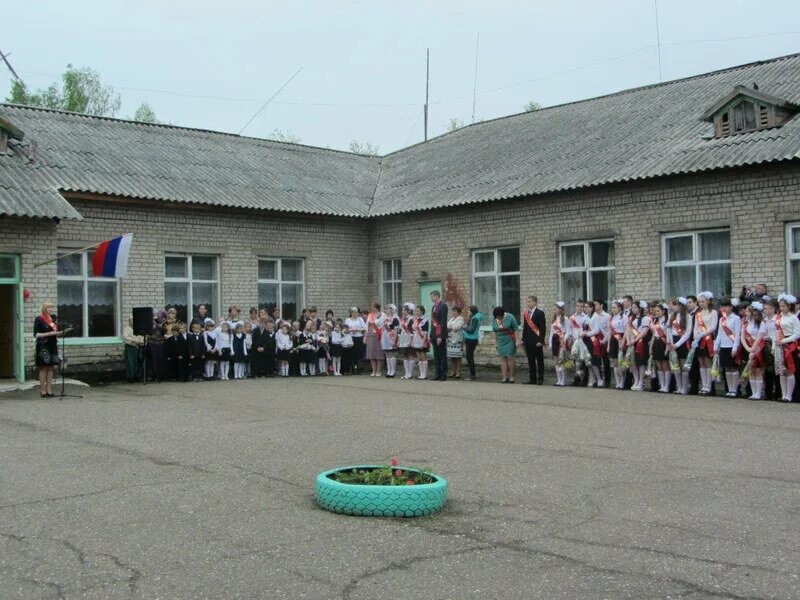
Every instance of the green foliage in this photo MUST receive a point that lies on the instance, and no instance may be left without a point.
(385, 475)
(454, 124)
(145, 114)
(532, 106)
(284, 136)
(364, 148)
(81, 91)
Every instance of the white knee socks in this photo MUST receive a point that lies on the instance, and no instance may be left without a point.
(559, 376)
(423, 369)
(789, 387)
(391, 366)
(223, 369)
(209, 369)
(756, 383)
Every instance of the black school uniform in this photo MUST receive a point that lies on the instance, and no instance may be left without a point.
(180, 356)
(270, 350)
(294, 358)
(170, 351)
(258, 352)
(309, 356)
(197, 350)
(239, 352)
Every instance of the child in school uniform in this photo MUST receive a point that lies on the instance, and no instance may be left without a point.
(348, 351)
(336, 348)
(239, 351)
(170, 351)
(258, 349)
(222, 348)
(420, 341)
(323, 352)
(248, 346)
(270, 350)
(284, 345)
(181, 353)
(404, 338)
(197, 348)
(294, 359)
(308, 350)
(210, 340)
(389, 338)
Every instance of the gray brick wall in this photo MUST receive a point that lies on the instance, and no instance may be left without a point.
(342, 256)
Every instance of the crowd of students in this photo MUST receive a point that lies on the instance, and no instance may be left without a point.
(264, 345)
(683, 345)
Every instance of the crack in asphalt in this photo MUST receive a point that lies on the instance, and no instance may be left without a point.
(138, 454)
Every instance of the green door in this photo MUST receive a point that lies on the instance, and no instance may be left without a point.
(425, 290)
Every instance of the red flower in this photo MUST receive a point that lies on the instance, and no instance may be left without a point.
(394, 462)
(410, 482)
(398, 473)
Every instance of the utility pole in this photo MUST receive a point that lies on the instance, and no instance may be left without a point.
(427, 87)
(658, 39)
(475, 81)
(8, 64)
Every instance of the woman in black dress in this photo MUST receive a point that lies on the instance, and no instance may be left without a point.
(46, 333)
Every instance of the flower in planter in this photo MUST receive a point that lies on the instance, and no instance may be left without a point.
(394, 462)
(410, 482)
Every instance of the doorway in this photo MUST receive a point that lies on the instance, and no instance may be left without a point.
(12, 358)
(425, 290)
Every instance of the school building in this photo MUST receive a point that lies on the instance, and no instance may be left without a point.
(662, 190)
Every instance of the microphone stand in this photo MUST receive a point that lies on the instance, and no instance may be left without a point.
(62, 365)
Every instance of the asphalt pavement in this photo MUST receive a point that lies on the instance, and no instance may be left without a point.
(205, 490)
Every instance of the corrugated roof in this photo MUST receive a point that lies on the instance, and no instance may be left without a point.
(129, 159)
(27, 190)
(635, 134)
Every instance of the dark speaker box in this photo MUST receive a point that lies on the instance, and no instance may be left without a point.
(143, 320)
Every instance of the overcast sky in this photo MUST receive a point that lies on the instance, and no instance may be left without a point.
(212, 64)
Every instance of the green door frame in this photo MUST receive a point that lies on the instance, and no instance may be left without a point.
(19, 315)
(425, 290)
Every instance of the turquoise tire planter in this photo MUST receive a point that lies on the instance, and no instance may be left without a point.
(380, 500)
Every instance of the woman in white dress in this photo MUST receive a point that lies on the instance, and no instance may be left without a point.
(455, 340)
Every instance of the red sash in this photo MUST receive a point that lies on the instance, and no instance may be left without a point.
(756, 345)
(390, 330)
(676, 325)
(531, 324)
(404, 325)
(659, 331)
(418, 328)
(437, 327)
(559, 330)
(723, 323)
(788, 349)
(705, 342)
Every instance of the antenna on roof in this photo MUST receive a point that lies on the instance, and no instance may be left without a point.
(658, 40)
(8, 64)
(271, 98)
(427, 87)
(475, 81)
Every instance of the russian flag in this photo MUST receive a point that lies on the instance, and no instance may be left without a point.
(111, 257)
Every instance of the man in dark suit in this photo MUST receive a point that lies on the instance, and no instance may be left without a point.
(533, 338)
(439, 335)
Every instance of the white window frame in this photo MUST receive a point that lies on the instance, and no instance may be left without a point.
(496, 273)
(396, 267)
(85, 277)
(791, 256)
(280, 281)
(586, 268)
(189, 279)
(695, 261)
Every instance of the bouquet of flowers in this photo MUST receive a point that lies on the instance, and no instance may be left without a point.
(780, 367)
(715, 370)
(563, 359)
(746, 371)
(627, 359)
(674, 365)
(687, 364)
(651, 368)
(580, 353)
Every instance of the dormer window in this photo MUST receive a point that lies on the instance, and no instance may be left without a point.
(8, 132)
(747, 109)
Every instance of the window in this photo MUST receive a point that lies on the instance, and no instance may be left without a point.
(392, 281)
(696, 262)
(280, 283)
(90, 305)
(495, 281)
(587, 271)
(189, 281)
(793, 257)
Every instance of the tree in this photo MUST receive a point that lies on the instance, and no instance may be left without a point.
(365, 148)
(81, 91)
(145, 114)
(453, 124)
(532, 106)
(284, 136)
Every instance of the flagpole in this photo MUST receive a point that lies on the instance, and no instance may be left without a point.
(60, 256)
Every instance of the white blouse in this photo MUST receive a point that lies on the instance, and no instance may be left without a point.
(356, 326)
